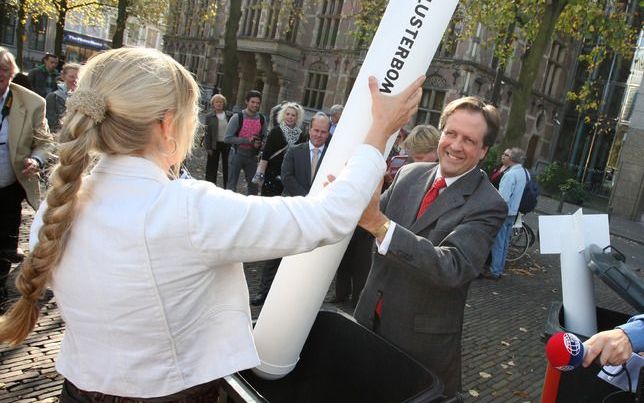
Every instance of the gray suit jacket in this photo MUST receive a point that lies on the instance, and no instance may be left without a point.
(296, 170)
(426, 273)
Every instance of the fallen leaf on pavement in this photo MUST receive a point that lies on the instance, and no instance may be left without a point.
(523, 329)
(521, 393)
(485, 375)
(504, 366)
(505, 343)
(511, 363)
(473, 393)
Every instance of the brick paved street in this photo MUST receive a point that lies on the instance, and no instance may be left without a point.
(503, 352)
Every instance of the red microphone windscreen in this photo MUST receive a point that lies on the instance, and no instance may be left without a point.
(564, 351)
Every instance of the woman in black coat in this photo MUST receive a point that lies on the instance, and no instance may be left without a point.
(286, 133)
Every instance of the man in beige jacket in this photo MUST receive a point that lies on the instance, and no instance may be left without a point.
(25, 143)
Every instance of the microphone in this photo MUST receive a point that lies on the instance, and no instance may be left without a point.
(565, 351)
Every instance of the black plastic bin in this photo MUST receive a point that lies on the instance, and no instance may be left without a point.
(582, 384)
(342, 361)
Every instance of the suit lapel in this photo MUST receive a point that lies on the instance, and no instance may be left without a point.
(451, 198)
(16, 121)
(305, 160)
(416, 193)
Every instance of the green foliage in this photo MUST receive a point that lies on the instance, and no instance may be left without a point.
(573, 191)
(602, 24)
(556, 179)
(367, 19)
(492, 159)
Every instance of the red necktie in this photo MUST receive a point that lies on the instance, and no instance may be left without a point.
(431, 195)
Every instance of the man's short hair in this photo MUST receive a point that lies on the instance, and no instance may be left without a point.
(8, 57)
(474, 104)
(517, 155)
(48, 56)
(70, 66)
(336, 109)
(321, 116)
(253, 94)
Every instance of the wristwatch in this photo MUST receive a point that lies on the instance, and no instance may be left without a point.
(382, 230)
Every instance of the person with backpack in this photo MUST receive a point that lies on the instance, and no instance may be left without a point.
(511, 189)
(245, 132)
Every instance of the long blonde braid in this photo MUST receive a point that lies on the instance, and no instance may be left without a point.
(133, 88)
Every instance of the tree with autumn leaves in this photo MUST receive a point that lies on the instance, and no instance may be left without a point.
(90, 12)
(529, 26)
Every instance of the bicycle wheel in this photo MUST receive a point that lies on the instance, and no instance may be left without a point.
(519, 243)
(531, 236)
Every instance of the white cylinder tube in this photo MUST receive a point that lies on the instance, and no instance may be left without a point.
(408, 36)
(578, 293)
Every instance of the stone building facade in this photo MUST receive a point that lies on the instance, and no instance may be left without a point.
(305, 52)
(627, 196)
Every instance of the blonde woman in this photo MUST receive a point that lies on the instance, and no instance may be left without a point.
(287, 133)
(146, 270)
(213, 140)
(421, 143)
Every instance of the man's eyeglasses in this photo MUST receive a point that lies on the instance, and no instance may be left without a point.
(505, 154)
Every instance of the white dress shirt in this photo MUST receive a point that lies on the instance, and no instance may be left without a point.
(7, 176)
(311, 148)
(150, 284)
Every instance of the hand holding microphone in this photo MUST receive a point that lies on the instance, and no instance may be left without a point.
(613, 347)
(566, 352)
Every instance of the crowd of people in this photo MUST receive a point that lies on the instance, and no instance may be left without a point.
(147, 268)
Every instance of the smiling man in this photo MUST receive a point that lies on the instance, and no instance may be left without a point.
(434, 228)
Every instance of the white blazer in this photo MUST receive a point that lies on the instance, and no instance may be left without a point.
(150, 284)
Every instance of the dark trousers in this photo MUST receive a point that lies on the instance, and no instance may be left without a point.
(11, 198)
(204, 393)
(268, 275)
(212, 163)
(242, 159)
(354, 268)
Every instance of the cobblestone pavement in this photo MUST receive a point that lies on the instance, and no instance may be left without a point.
(503, 357)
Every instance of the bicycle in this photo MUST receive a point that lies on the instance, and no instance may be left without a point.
(522, 238)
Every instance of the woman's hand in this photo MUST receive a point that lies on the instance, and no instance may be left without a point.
(390, 113)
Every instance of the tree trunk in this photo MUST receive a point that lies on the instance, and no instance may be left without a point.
(121, 20)
(60, 27)
(529, 69)
(4, 14)
(21, 21)
(231, 61)
(499, 66)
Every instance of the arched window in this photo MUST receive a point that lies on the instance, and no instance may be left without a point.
(328, 23)
(432, 101)
(250, 19)
(315, 88)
